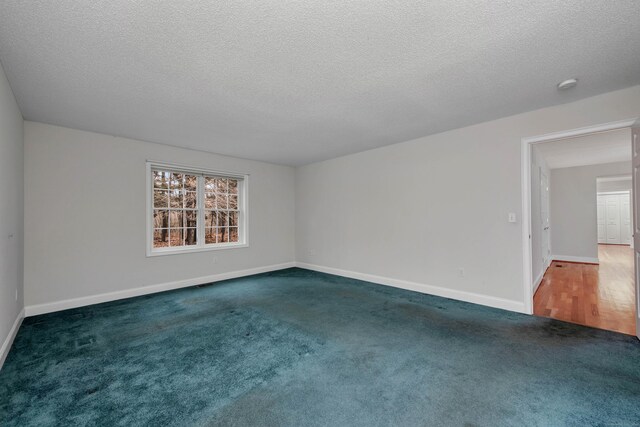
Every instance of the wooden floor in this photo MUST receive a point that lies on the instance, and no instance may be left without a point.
(601, 296)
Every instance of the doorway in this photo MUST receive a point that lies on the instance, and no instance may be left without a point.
(574, 284)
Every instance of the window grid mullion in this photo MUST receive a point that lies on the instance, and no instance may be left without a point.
(200, 218)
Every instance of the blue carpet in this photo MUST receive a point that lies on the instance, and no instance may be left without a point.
(299, 348)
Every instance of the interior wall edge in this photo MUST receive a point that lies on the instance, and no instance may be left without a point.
(34, 310)
(486, 300)
(538, 281)
(6, 345)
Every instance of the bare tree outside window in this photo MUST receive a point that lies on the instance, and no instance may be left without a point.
(179, 214)
(221, 210)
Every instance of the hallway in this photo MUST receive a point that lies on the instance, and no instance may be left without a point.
(601, 296)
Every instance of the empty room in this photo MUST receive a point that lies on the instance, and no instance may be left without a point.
(319, 213)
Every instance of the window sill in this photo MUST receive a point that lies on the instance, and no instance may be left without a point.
(160, 252)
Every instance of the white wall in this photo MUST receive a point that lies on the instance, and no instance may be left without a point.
(85, 216)
(421, 210)
(574, 229)
(11, 212)
(538, 165)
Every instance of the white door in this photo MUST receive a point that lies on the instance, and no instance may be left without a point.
(635, 163)
(625, 219)
(612, 209)
(544, 218)
(602, 220)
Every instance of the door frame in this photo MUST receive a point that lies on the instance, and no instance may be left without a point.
(546, 259)
(526, 147)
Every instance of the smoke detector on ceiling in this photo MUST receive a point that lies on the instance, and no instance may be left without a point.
(567, 84)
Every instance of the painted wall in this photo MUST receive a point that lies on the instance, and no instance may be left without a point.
(85, 215)
(420, 211)
(11, 209)
(574, 209)
(538, 166)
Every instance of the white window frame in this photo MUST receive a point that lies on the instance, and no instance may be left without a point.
(201, 246)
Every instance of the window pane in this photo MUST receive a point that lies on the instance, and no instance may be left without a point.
(209, 184)
(160, 179)
(222, 218)
(176, 237)
(190, 237)
(209, 235)
(160, 219)
(233, 202)
(221, 201)
(221, 185)
(233, 219)
(191, 200)
(210, 201)
(223, 234)
(160, 199)
(233, 234)
(177, 181)
(233, 186)
(176, 198)
(210, 218)
(160, 238)
(191, 219)
(190, 182)
(176, 219)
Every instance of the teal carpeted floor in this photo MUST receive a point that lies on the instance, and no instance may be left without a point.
(298, 348)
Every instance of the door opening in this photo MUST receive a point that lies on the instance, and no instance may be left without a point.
(580, 229)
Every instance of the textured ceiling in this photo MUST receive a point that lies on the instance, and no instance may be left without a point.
(605, 147)
(294, 82)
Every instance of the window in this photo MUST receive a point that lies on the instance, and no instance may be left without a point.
(193, 210)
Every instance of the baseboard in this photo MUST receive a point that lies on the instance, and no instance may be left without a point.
(34, 310)
(505, 304)
(538, 281)
(580, 259)
(6, 345)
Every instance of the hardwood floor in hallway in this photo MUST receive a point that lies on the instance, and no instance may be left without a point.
(601, 296)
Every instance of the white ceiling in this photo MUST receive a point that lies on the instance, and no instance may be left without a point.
(297, 82)
(605, 147)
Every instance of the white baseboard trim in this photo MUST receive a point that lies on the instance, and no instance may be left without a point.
(34, 310)
(538, 281)
(6, 345)
(505, 304)
(570, 258)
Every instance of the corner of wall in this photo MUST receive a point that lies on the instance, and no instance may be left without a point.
(12, 213)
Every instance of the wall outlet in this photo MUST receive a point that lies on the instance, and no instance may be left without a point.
(512, 217)
(461, 272)
(311, 252)
(214, 259)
